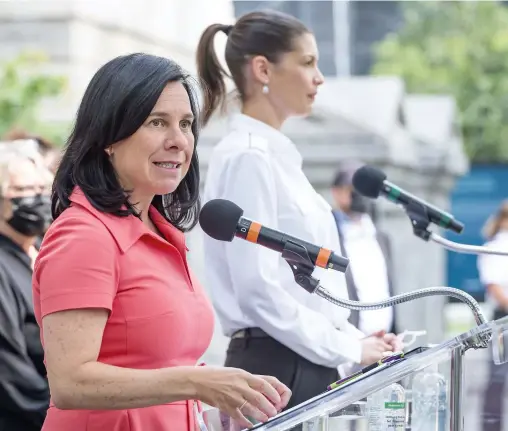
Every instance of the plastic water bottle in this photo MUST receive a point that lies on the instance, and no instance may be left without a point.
(429, 401)
(374, 410)
(316, 424)
(386, 409)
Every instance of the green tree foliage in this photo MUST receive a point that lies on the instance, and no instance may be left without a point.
(22, 87)
(461, 49)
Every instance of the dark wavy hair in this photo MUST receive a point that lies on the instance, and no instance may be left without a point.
(116, 103)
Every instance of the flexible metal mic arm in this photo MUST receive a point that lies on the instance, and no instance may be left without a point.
(420, 223)
(478, 343)
(405, 297)
(304, 278)
(465, 248)
(302, 267)
(297, 257)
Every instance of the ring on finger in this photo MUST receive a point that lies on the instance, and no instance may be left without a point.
(242, 406)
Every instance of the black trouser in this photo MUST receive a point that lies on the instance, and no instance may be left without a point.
(493, 399)
(261, 354)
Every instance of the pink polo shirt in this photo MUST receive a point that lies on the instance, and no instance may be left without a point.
(159, 314)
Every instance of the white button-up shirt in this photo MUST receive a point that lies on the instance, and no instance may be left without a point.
(493, 269)
(260, 169)
(369, 271)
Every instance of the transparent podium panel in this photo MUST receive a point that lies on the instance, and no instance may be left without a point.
(421, 391)
(379, 405)
(500, 341)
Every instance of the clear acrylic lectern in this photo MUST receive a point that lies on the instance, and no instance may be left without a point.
(351, 403)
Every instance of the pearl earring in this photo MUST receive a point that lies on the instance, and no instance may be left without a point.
(265, 89)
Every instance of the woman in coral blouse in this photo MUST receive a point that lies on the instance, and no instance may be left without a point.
(123, 320)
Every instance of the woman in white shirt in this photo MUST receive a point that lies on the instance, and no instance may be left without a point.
(493, 271)
(275, 326)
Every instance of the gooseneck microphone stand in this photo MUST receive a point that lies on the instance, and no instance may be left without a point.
(301, 265)
(298, 259)
(420, 222)
(465, 248)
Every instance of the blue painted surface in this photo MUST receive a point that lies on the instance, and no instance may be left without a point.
(476, 196)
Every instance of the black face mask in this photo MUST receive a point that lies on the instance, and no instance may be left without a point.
(359, 204)
(31, 216)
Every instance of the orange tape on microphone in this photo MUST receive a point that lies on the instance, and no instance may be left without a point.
(253, 233)
(322, 257)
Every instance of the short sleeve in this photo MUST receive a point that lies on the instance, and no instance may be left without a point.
(77, 266)
(492, 269)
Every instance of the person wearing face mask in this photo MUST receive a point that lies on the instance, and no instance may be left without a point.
(369, 275)
(25, 215)
(32, 149)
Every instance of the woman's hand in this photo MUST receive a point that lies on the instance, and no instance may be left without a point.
(394, 341)
(240, 394)
(373, 348)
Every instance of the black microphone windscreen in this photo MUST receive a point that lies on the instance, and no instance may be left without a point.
(219, 217)
(368, 181)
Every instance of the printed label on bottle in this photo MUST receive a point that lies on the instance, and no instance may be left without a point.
(392, 405)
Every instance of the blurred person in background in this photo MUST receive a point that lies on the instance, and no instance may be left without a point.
(276, 327)
(493, 272)
(369, 275)
(24, 392)
(33, 149)
(48, 150)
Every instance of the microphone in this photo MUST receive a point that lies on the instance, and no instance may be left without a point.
(222, 220)
(371, 182)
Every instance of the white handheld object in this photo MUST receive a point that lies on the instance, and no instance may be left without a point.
(412, 334)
